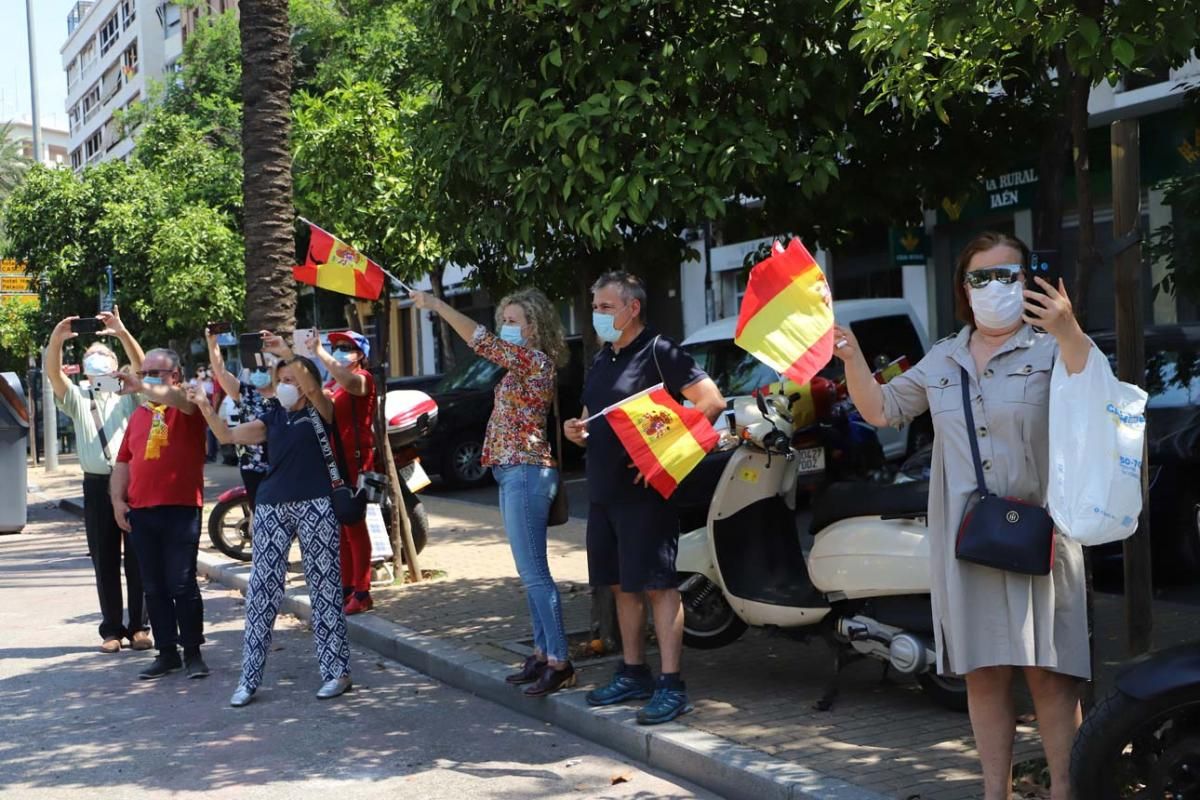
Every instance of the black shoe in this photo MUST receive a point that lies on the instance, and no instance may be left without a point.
(195, 667)
(531, 670)
(165, 662)
(551, 680)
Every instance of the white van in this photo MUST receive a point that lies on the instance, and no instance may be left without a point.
(886, 330)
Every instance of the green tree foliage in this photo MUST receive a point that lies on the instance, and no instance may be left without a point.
(929, 53)
(168, 221)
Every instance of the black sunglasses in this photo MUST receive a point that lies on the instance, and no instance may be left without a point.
(979, 278)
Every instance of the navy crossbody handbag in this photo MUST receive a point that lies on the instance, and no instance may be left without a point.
(1002, 532)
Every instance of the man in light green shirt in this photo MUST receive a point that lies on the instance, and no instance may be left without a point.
(100, 419)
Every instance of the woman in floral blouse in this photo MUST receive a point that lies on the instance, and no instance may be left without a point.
(531, 347)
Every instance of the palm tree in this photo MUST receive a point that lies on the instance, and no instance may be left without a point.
(13, 162)
(267, 185)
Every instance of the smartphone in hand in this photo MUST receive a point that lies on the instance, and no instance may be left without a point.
(300, 342)
(1043, 264)
(107, 383)
(250, 350)
(87, 325)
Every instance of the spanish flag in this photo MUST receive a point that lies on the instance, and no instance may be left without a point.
(334, 265)
(665, 440)
(786, 319)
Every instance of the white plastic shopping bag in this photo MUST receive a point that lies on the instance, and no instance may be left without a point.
(1097, 432)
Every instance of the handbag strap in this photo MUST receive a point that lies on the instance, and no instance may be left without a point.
(557, 422)
(331, 463)
(971, 435)
(99, 425)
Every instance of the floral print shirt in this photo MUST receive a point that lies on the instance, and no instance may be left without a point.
(251, 406)
(516, 431)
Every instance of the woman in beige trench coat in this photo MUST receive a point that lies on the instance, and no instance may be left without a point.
(993, 622)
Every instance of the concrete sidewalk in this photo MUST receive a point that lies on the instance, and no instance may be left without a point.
(754, 732)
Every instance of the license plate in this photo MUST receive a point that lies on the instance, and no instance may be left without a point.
(811, 459)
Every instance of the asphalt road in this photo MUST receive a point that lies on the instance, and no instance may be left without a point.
(78, 724)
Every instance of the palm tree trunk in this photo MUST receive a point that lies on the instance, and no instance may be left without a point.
(267, 184)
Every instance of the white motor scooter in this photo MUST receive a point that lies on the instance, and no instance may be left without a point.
(860, 581)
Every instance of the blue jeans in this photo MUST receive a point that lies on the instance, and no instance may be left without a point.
(526, 492)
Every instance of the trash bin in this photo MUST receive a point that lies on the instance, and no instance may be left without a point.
(14, 429)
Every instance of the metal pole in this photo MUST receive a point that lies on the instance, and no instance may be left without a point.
(49, 420)
(1131, 365)
(33, 90)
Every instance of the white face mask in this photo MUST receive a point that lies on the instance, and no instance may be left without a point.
(98, 364)
(287, 395)
(998, 305)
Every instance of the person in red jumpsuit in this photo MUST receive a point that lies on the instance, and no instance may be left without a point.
(352, 389)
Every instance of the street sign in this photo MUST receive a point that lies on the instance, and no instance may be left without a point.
(26, 299)
(16, 284)
(12, 266)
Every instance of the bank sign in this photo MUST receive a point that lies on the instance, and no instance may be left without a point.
(995, 195)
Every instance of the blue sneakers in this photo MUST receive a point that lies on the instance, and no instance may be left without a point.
(667, 703)
(623, 686)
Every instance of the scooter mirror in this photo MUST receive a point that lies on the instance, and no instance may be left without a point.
(762, 405)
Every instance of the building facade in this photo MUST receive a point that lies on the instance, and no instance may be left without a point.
(113, 48)
(55, 142)
(192, 16)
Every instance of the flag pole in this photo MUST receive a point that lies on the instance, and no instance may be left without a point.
(620, 403)
(402, 284)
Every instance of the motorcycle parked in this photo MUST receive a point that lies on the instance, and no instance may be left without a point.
(860, 581)
(1142, 740)
(411, 416)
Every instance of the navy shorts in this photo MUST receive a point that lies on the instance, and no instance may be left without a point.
(632, 545)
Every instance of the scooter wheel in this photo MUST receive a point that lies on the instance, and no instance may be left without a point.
(229, 528)
(1128, 746)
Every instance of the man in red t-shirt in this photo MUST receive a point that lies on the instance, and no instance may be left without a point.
(353, 391)
(157, 489)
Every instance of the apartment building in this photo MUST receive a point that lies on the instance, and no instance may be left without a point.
(55, 142)
(113, 49)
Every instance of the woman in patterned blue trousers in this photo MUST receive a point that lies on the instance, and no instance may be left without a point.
(293, 501)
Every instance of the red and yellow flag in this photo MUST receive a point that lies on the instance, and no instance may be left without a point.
(334, 265)
(665, 440)
(786, 320)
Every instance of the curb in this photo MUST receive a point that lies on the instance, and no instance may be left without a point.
(728, 769)
(72, 505)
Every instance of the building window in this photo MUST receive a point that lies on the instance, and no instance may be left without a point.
(91, 102)
(73, 116)
(92, 148)
(129, 60)
(77, 158)
(171, 20)
(73, 72)
(128, 13)
(109, 32)
(87, 54)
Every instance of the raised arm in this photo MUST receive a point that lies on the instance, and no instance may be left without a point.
(54, 371)
(174, 396)
(312, 390)
(216, 360)
(248, 433)
(463, 325)
(864, 390)
(353, 382)
(115, 327)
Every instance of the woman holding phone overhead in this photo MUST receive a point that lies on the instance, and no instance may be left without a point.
(531, 347)
(988, 391)
(293, 502)
(253, 397)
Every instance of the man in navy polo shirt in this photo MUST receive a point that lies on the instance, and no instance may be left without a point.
(633, 533)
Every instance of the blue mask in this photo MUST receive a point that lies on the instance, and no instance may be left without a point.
(605, 326)
(152, 380)
(344, 358)
(512, 334)
(259, 379)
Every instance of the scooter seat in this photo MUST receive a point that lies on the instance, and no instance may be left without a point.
(862, 499)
